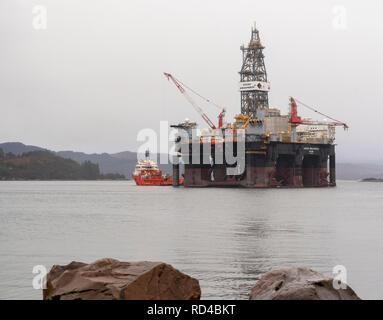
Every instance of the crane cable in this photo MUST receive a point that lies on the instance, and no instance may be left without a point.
(325, 115)
(196, 93)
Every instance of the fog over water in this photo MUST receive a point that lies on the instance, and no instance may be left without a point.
(93, 78)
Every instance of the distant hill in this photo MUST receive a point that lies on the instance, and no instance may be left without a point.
(46, 165)
(371, 180)
(125, 155)
(18, 148)
(124, 162)
(107, 163)
(121, 163)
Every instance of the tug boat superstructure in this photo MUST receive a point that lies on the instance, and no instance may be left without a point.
(147, 173)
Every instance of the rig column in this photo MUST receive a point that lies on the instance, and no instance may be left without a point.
(332, 170)
(176, 173)
(176, 164)
(297, 175)
(250, 179)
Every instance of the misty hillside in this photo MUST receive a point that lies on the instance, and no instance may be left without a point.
(46, 165)
(107, 163)
(125, 155)
(124, 162)
(18, 148)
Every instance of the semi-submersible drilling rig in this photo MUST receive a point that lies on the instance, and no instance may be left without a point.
(279, 150)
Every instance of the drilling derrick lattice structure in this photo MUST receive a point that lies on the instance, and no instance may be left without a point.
(254, 86)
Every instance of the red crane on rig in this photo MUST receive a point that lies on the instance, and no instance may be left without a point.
(295, 119)
(181, 88)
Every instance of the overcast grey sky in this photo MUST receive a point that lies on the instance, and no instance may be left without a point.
(93, 77)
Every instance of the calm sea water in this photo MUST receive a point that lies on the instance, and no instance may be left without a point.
(226, 238)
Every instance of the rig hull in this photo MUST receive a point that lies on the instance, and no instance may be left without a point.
(295, 165)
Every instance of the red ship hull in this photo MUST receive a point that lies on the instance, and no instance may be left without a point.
(153, 179)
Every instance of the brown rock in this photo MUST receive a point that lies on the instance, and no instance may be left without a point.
(109, 279)
(298, 284)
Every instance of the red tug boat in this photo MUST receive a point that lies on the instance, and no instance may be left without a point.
(148, 174)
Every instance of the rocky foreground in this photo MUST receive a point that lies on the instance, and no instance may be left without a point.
(110, 279)
(299, 284)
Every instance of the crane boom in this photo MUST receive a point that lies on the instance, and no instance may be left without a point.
(295, 119)
(194, 104)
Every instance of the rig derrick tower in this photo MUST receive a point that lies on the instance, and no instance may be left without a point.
(253, 85)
